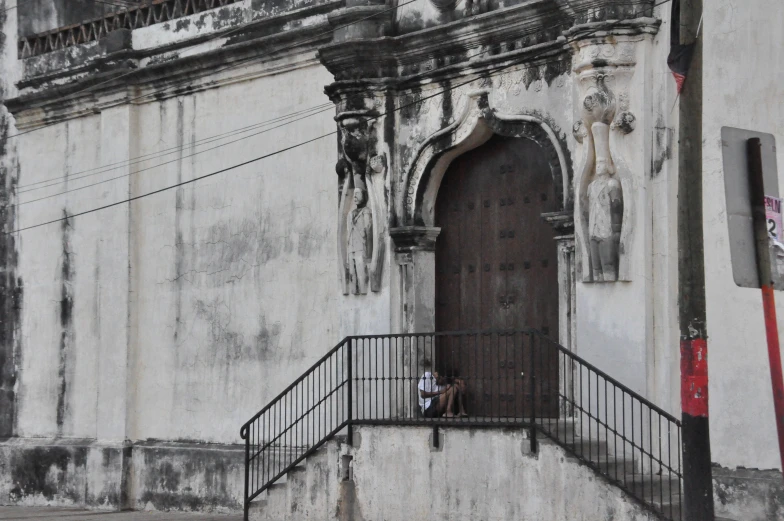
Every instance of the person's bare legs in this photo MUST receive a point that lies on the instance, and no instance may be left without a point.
(461, 392)
(446, 403)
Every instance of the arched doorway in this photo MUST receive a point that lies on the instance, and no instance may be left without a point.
(497, 268)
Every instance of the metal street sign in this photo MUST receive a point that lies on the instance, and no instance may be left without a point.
(739, 220)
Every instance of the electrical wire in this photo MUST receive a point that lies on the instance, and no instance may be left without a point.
(215, 36)
(596, 4)
(161, 153)
(123, 6)
(18, 3)
(280, 151)
(123, 164)
(466, 41)
(179, 158)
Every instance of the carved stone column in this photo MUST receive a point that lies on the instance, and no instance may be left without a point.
(416, 259)
(563, 224)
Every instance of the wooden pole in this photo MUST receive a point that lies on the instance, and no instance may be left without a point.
(697, 471)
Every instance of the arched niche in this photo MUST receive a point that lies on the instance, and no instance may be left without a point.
(475, 125)
(415, 236)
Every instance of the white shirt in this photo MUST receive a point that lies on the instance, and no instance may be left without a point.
(428, 384)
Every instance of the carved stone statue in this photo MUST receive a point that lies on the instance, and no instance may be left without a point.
(605, 210)
(603, 196)
(360, 243)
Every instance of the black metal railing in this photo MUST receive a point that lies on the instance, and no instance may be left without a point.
(500, 378)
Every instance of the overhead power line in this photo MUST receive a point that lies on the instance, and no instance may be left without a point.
(280, 151)
(30, 187)
(212, 72)
(18, 3)
(175, 160)
(466, 41)
(123, 164)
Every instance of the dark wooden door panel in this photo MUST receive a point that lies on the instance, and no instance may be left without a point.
(496, 268)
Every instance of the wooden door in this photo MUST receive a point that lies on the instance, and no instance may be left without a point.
(496, 268)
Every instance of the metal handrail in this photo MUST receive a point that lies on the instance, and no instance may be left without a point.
(543, 387)
(470, 332)
(291, 386)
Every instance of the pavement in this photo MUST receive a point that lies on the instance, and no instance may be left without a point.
(75, 514)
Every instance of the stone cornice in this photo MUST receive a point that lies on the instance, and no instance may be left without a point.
(499, 31)
(561, 48)
(527, 33)
(114, 74)
(410, 238)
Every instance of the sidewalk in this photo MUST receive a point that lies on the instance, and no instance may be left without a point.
(72, 514)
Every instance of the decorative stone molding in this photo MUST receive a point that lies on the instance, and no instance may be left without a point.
(131, 18)
(444, 5)
(472, 127)
(409, 238)
(562, 222)
(361, 20)
(424, 50)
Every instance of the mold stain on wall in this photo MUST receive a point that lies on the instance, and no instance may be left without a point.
(66, 322)
(10, 286)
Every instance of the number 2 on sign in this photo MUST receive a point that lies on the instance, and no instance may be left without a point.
(772, 228)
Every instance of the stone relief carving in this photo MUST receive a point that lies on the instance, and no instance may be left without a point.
(362, 210)
(603, 203)
(604, 195)
(360, 243)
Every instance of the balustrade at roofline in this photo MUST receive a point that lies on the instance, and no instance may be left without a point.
(144, 15)
(151, 12)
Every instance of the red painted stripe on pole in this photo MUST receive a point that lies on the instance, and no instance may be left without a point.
(774, 356)
(694, 377)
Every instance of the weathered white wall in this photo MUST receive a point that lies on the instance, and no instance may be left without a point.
(629, 328)
(241, 296)
(743, 88)
(193, 306)
(484, 474)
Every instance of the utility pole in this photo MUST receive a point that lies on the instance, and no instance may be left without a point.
(697, 474)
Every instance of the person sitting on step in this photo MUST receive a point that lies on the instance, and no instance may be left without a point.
(438, 398)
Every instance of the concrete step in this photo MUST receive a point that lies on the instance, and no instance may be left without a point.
(654, 488)
(588, 448)
(268, 506)
(562, 428)
(610, 466)
(670, 510)
(294, 496)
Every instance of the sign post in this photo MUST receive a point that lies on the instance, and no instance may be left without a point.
(766, 216)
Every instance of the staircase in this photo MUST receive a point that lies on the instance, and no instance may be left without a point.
(544, 390)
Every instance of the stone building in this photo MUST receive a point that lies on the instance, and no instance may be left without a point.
(210, 194)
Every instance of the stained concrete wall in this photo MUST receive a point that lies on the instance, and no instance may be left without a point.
(179, 315)
(173, 317)
(743, 78)
(474, 474)
(629, 328)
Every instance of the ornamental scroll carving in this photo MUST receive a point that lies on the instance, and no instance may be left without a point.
(604, 189)
(361, 221)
